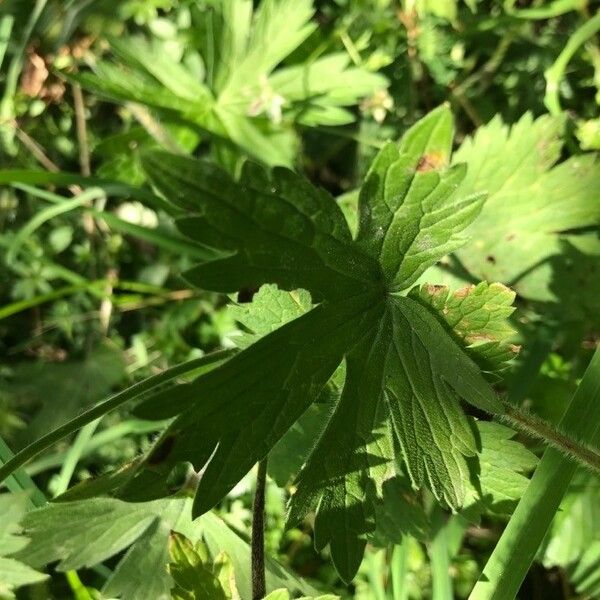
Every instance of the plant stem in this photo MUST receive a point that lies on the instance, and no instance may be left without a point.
(259, 588)
(555, 73)
(533, 426)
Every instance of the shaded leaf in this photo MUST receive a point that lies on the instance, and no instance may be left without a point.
(406, 371)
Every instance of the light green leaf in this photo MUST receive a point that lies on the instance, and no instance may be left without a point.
(478, 316)
(503, 463)
(529, 203)
(85, 533)
(13, 573)
(279, 27)
(270, 309)
(319, 88)
(151, 57)
(194, 576)
(244, 99)
(142, 572)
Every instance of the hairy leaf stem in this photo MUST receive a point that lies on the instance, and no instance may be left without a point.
(538, 428)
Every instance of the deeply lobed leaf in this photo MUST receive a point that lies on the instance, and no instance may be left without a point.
(406, 368)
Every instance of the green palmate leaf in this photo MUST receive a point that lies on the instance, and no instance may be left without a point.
(530, 202)
(13, 572)
(405, 367)
(85, 533)
(246, 95)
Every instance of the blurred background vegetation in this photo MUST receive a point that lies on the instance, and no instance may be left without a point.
(91, 298)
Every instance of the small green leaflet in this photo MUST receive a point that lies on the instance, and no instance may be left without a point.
(477, 316)
(503, 463)
(13, 572)
(195, 576)
(406, 371)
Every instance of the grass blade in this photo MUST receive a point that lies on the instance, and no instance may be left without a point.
(399, 569)
(514, 553)
(440, 558)
(110, 187)
(99, 410)
(20, 481)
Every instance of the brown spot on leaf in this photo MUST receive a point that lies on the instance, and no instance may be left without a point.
(491, 259)
(431, 161)
(463, 292)
(472, 339)
(515, 348)
(435, 290)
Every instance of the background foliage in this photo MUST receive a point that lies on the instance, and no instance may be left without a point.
(92, 297)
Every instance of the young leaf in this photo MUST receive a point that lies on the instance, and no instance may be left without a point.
(405, 371)
(194, 576)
